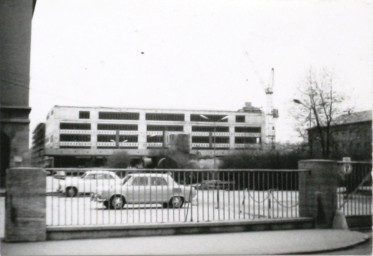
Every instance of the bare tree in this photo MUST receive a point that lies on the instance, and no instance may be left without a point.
(318, 104)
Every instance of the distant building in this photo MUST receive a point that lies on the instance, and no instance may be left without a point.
(38, 148)
(86, 136)
(351, 136)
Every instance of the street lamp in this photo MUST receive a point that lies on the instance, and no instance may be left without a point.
(310, 121)
(301, 103)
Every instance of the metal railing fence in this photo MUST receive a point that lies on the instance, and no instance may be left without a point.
(155, 196)
(354, 192)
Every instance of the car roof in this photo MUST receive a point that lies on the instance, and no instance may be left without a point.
(150, 174)
(100, 171)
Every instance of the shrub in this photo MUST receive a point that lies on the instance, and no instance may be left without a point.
(264, 160)
(118, 160)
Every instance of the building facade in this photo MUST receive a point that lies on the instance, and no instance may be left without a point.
(351, 136)
(86, 136)
(38, 148)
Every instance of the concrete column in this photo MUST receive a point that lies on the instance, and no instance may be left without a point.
(142, 132)
(25, 214)
(318, 191)
(15, 39)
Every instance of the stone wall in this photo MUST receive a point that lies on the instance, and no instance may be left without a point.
(318, 191)
(25, 205)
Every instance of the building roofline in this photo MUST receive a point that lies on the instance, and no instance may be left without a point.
(259, 111)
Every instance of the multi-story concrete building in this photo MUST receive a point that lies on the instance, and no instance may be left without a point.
(83, 136)
(38, 148)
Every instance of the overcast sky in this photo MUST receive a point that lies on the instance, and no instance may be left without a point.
(195, 54)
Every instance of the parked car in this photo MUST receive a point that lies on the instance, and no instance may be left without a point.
(89, 182)
(60, 175)
(145, 188)
(215, 184)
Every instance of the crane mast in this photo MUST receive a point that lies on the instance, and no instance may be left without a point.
(270, 113)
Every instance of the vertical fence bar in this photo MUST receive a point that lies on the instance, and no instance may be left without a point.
(263, 192)
(291, 192)
(125, 193)
(229, 196)
(238, 194)
(243, 193)
(213, 192)
(59, 195)
(179, 182)
(218, 193)
(197, 198)
(249, 174)
(253, 197)
(207, 197)
(234, 195)
(286, 194)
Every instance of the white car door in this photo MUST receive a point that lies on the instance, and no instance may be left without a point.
(87, 183)
(160, 189)
(138, 191)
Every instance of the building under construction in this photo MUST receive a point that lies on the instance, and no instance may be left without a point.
(86, 136)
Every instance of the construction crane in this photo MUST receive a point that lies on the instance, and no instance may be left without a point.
(271, 114)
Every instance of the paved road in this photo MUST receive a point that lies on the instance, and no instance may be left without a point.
(243, 243)
(361, 249)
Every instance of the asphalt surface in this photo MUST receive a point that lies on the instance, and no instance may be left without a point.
(243, 243)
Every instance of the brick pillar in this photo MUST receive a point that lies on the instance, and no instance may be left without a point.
(25, 205)
(318, 191)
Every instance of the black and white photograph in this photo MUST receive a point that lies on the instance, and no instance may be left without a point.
(186, 127)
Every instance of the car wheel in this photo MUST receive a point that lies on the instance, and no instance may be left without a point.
(71, 191)
(106, 204)
(117, 202)
(176, 202)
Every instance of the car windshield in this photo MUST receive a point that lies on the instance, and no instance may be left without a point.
(125, 179)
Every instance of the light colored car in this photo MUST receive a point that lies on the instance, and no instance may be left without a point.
(89, 182)
(146, 188)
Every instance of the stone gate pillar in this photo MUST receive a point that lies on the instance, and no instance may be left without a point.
(25, 214)
(318, 191)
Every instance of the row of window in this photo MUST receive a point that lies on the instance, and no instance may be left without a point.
(164, 117)
(210, 129)
(159, 116)
(118, 115)
(134, 127)
(122, 138)
(120, 127)
(75, 126)
(129, 138)
(75, 137)
(237, 140)
(208, 118)
(204, 139)
(175, 128)
(247, 129)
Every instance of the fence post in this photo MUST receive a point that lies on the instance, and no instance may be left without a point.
(25, 214)
(318, 191)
